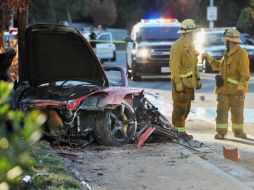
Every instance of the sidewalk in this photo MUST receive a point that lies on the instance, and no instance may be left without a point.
(159, 166)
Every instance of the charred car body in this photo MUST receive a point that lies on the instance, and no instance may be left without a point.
(63, 78)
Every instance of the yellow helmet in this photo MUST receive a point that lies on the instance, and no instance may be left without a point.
(187, 25)
(232, 35)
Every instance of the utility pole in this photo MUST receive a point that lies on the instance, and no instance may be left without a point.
(211, 22)
(212, 14)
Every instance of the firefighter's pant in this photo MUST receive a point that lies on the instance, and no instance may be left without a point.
(234, 103)
(181, 107)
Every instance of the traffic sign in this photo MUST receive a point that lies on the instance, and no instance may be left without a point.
(212, 13)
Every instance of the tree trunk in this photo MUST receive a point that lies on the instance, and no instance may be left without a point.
(1, 29)
(22, 24)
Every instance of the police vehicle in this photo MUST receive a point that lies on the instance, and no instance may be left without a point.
(148, 47)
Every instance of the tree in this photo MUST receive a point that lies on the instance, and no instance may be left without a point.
(245, 22)
(103, 12)
(131, 12)
(48, 11)
(180, 9)
(18, 7)
(5, 13)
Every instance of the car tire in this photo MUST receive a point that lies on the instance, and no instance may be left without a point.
(134, 75)
(128, 68)
(208, 67)
(116, 127)
(114, 57)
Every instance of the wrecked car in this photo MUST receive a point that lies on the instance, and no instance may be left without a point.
(63, 78)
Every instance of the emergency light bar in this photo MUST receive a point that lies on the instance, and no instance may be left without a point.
(159, 21)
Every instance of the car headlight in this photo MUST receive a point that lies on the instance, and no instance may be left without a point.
(143, 53)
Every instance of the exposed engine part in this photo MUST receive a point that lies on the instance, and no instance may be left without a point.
(149, 116)
(152, 123)
(70, 127)
(54, 120)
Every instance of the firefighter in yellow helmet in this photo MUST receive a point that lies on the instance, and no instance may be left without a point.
(231, 85)
(185, 76)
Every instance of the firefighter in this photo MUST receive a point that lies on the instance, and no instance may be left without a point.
(185, 76)
(231, 85)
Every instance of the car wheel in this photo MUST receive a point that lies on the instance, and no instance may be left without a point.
(208, 67)
(116, 127)
(128, 68)
(114, 57)
(134, 75)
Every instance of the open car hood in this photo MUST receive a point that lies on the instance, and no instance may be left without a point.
(57, 52)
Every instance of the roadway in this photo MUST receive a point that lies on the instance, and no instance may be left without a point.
(204, 105)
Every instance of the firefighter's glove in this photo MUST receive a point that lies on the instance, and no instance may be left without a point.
(179, 87)
(240, 89)
(199, 84)
(206, 57)
(219, 81)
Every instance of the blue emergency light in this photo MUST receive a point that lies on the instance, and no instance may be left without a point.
(159, 21)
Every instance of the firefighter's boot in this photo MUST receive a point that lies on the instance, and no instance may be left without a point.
(219, 136)
(185, 136)
(241, 135)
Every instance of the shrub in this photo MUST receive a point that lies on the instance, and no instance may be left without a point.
(19, 131)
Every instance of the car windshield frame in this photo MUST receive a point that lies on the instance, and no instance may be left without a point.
(158, 33)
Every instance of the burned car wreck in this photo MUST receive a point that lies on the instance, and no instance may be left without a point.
(63, 78)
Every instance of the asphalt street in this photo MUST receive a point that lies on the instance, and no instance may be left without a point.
(163, 83)
(204, 106)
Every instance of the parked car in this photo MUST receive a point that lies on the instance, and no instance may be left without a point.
(148, 48)
(212, 42)
(63, 78)
(104, 47)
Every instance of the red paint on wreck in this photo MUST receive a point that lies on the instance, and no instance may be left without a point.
(117, 94)
(114, 96)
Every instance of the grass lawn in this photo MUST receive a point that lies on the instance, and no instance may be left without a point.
(49, 172)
